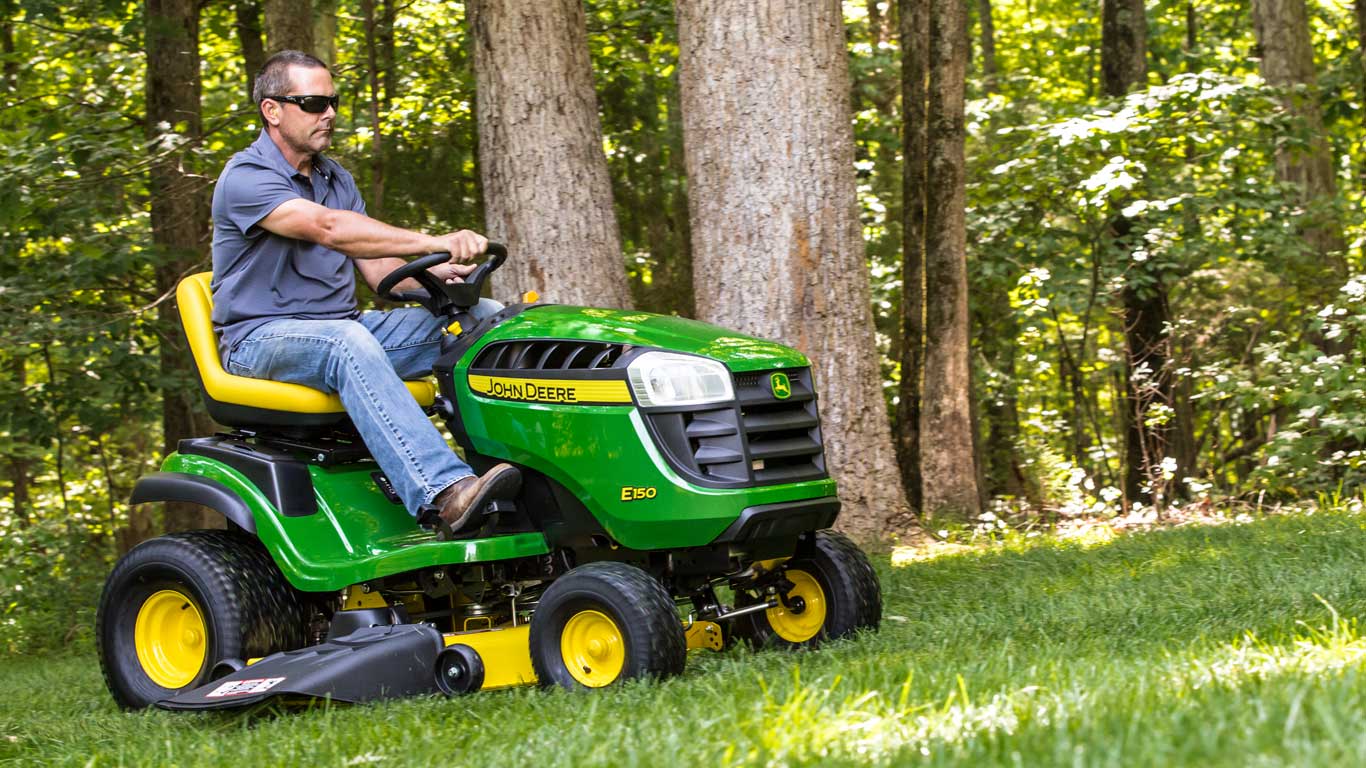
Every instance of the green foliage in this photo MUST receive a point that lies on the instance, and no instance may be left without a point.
(1317, 387)
(50, 578)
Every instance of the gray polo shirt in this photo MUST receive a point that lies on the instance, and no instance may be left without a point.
(259, 276)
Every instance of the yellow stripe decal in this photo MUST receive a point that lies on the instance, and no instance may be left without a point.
(561, 391)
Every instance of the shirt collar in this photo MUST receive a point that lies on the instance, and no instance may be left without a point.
(266, 147)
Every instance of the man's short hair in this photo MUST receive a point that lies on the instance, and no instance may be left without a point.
(273, 79)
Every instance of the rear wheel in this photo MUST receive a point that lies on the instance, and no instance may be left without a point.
(602, 623)
(834, 592)
(176, 606)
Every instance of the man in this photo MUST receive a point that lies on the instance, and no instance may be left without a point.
(289, 232)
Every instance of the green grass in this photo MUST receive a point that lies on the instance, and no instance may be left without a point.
(1230, 645)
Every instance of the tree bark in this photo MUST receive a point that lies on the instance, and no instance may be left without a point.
(547, 191)
(1147, 370)
(20, 465)
(986, 31)
(1123, 46)
(1183, 446)
(372, 48)
(179, 216)
(1287, 61)
(289, 26)
(388, 71)
(915, 62)
(778, 250)
(947, 465)
(325, 30)
(9, 69)
(877, 23)
(1359, 6)
(249, 38)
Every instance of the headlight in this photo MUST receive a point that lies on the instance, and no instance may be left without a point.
(662, 378)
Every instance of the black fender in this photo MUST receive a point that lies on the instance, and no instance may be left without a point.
(195, 489)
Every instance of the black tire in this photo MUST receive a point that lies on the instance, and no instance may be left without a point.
(849, 587)
(245, 608)
(648, 632)
(459, 670)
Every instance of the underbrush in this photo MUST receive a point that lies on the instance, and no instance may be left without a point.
(50, 580)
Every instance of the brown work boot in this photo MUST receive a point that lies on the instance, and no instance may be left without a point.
(461, 502)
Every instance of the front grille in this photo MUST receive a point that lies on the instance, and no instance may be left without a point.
(549, 355)
(757, 440)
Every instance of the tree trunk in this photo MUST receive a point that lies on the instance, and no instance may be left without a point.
(249, 37)
(948, 470)
(1183, 446)
(1148, 380)
(915, 53)
(1147, 370)
(986, 31)
(877, 23)
(1005, 475)
(547, 191)
(325, 30)
(1287, 61)
(19, 464)
(289, 26)
(1360, 7)
(9, 69)
(1123, 46)
(778, 250)
(179, 216)
(375, 204)
(386, 51)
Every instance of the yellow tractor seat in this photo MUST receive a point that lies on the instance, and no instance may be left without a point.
(239, 401)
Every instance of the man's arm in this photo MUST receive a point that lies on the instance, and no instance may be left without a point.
(362, 237)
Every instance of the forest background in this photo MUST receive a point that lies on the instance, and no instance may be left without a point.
(1049, 259)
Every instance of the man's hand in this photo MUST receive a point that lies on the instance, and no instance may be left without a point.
(450, 272)
(463, 246)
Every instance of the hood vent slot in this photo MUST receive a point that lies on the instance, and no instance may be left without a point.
(549, 355)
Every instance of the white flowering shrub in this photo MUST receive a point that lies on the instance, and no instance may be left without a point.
(1316, 386)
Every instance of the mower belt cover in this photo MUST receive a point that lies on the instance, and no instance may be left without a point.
(368, 664)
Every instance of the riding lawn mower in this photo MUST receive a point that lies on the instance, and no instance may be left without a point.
(675, 496)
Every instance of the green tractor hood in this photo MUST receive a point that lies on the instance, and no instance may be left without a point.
(740, 353)
(639, 471)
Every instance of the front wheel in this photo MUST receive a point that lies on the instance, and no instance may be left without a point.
(834, 592)
(602, 623)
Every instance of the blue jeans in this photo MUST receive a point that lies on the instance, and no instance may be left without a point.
(365, 361)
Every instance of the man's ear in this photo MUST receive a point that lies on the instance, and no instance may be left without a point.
(270, 111)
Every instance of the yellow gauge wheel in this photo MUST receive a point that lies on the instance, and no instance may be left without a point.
(797, 627)
(171, 638)
(593, 648)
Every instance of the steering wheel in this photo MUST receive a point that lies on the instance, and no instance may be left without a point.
(442, 299)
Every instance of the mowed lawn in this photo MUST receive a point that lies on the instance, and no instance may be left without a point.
(1228, 645)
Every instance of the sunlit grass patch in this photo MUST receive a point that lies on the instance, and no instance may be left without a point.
(1196, 645)
(1315, 651)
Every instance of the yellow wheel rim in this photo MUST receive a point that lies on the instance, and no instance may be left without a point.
(170, 636)
(799, 627)
(593, 648)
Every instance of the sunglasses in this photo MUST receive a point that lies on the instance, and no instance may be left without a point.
(312, 104)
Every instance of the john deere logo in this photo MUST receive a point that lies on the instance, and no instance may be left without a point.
(781, 386)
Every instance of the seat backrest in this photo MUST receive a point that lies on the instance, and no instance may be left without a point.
(241, 401)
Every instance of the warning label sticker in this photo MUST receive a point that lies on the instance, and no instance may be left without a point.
(244, 687)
